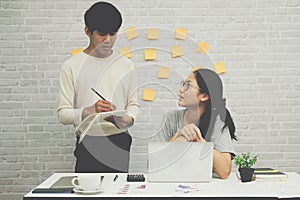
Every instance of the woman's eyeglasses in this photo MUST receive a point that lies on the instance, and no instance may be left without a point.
(187, 84)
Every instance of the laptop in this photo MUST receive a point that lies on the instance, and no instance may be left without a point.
(180, 161)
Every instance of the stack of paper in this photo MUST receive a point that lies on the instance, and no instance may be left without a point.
(269, 174)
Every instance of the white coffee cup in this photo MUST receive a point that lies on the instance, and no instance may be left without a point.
(88, 182)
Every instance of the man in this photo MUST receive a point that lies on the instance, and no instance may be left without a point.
(106, 147)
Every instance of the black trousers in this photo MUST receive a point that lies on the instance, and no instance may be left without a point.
(103, 154)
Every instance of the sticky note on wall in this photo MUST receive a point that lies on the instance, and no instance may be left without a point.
(125, 51)
(197, 68)
(148, 94)
(220, 67)
(180, 33)
(153, 33)
(163, 72)
(131, 33)
(150, 54)
(202, 47)
(76, 51)
(176, 51)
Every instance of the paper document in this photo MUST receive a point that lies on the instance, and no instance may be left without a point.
(94, 119)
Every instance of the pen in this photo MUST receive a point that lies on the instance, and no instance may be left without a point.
(98, 94)
(116, 177)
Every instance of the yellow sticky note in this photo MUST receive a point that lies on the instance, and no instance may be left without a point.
(176, 51)
(163, 72)
(76, 51)
(131, 33)
(220, 67)
(180, 33)
(197, 68)
(125, 51)
(153, 33)
(148, 94)
(202, 47)
(150, 54)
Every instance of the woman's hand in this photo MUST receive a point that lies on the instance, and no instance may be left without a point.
(199, 138)
(188, 133)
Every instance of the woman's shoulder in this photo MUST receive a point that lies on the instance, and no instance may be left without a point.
(219, 120)
(175, 114)
(219, 124)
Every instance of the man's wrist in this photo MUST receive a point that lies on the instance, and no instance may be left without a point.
(130, 123)
(87, 111)
(83, 114)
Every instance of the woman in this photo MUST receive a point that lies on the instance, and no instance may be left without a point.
(204, 119)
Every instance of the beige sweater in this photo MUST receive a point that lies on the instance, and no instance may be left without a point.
(113, 77)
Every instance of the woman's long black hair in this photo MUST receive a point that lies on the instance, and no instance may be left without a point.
(210, 83)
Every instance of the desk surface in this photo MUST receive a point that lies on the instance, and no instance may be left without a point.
(231, 187)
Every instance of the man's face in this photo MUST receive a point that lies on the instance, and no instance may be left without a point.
(102, 43)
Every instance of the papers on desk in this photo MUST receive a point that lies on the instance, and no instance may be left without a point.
(187, 188)
(132, 188)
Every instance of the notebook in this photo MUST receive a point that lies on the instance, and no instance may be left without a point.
(265, 174)
(93, 120)
(180, 161)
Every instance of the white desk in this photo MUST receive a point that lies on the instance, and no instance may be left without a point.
(229, 188)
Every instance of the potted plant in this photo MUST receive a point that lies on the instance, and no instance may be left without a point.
(244, 162)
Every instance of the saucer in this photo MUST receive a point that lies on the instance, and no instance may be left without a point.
(79, 190)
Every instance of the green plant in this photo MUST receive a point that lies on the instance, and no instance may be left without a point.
(245, 161)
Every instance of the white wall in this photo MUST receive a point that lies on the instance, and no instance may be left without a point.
(258, 40)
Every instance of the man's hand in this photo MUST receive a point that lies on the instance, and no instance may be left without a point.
(120, 122)
(104, 106)
(99, 106)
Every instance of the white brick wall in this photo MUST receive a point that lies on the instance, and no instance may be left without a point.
(259, 41)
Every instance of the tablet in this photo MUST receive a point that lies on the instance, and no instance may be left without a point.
(63, 182)
(53, 190)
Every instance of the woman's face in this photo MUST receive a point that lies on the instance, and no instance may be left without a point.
(188, 92)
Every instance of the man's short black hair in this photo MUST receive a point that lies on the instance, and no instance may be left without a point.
(103, 17)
